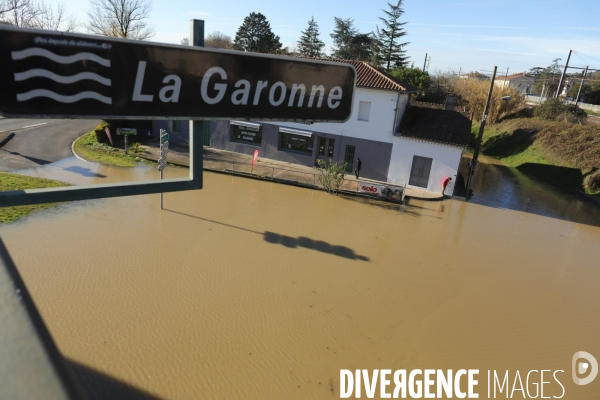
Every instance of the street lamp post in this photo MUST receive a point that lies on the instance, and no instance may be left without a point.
(473, 163)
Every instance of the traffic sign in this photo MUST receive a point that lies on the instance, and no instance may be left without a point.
(162, 166)
(164, 152)
(126, 131)
(164, 139)
(52, 74)
(162, 160)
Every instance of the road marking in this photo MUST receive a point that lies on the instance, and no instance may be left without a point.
(31, 126)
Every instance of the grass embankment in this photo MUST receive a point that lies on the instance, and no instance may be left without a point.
(558, 153)
(9, 182)
(88, 147)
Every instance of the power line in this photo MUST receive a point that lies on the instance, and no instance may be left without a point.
(585, 55)
(578, 53)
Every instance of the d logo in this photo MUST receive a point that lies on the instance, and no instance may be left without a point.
(582, 368)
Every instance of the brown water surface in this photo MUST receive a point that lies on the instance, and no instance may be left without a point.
(248, 289)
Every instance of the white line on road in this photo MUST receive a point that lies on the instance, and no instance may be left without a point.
(31, 126)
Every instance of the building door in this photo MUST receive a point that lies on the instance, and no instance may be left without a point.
(419, 173)
(349, 158)
(326, 148)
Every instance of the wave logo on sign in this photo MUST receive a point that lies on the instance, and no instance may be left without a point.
(44, 73)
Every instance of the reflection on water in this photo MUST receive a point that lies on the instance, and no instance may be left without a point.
(78, 172)
(496, 185)
(248, 289)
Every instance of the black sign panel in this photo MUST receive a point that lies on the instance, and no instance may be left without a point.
(49, 74)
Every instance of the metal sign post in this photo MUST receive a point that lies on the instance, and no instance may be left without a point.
(126, 132)
(162, 161)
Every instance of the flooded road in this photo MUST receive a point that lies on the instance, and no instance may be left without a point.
(248, 289)
(496, 185)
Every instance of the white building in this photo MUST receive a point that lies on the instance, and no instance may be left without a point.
(398, 143)
(523, 82)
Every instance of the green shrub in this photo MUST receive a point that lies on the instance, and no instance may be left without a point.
(135, 148)
(558, 110)
(331, 175)
(100, 132)
(591, 182)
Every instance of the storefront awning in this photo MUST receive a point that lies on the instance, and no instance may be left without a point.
(295, 132)
(246, 124)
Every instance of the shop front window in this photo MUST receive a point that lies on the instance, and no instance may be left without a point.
(246, 133)
(295, 142)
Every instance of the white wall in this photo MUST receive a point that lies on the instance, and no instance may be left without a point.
(445, 162)
(380, 126)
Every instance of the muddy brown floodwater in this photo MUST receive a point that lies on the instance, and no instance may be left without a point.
(253, 290)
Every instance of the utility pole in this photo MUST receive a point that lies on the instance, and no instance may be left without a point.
(473, 163)
(562, 77)
(425, 62)
(581, 85)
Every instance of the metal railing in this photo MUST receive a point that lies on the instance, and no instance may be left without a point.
(585, 106)
(290, 175)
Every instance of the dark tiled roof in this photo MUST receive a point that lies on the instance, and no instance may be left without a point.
(435, 125)
(370, 77)
(513, 76)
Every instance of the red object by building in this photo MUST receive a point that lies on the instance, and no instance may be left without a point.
(254, 158)
(107, 130)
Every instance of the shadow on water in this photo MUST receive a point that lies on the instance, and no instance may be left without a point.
(318, 245)
(565, 177)
(87, 172)
(406, 209)
(499, 186)
(290, 242)
(98, 386)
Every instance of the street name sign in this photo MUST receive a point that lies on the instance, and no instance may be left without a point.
(164, 138)
(126, 131)
(53, 74)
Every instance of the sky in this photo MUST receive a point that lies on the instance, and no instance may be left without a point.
(458, 35)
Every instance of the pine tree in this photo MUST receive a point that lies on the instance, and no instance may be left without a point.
(390, 53)
(309, 44)
(255, 35)
(342, 35)
(348, 43)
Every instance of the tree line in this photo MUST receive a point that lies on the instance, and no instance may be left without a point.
(383, 48)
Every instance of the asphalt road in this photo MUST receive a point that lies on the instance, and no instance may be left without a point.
(40, 141)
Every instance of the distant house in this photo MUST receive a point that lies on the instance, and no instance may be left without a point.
(523, 82)
(420, 149)
(475, 75)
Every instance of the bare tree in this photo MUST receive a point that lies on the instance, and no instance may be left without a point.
(20, 13)
(121, 18)
(32, 14)
(54, 19)
(185, 41)
(218, 40)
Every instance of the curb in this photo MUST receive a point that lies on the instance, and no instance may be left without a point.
(7, 139)
(75, 154)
